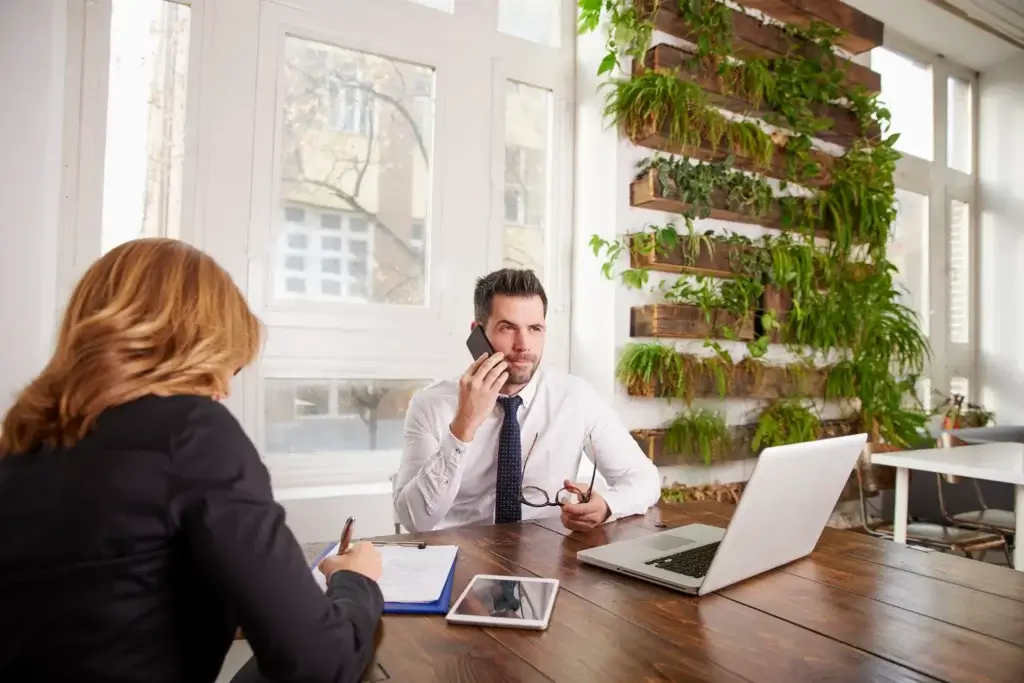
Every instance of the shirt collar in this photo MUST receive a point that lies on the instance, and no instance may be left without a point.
(529, 392)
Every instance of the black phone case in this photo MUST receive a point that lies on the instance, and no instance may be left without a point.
(478, 344)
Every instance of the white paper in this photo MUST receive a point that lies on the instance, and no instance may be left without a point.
(410, 574)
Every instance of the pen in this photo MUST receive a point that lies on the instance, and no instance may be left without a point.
(346, 536)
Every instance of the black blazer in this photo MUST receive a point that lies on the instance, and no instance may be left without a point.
(134, 555)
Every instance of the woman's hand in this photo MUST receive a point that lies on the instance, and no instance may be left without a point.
(362, 558)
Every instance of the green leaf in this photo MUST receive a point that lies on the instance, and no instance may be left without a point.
(608, 63)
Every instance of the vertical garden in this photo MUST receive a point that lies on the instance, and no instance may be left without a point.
(758, 119)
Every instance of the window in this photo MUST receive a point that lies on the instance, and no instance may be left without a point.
(933, 244)
(331, 249)
(359, 420)
(146, 109)
(527, 176)
(366, 174)
(375, 149)
(533, 20)
(908, 250)
(907, 91)
(959, 149)
(959, 272)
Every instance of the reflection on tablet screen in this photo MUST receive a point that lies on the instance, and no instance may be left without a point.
(508, 599)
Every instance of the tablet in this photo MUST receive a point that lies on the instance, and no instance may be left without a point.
(511, 601)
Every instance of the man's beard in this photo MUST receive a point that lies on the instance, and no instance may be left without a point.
(521, 376)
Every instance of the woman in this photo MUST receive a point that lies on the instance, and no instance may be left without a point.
(137, 525)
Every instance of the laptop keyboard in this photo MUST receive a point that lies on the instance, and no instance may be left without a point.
(694, 562)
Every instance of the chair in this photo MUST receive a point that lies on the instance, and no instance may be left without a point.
(394, 491)
(875, 479)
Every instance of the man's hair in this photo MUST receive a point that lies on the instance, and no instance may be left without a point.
(507, 282)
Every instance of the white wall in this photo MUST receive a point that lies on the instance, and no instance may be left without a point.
(1001, 192)
(32, 63)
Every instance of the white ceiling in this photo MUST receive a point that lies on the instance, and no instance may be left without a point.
(939, 31)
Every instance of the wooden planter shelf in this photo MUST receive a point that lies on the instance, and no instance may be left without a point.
(861, 32)
(718, 261)
(749, 379)
(683, 321)
(845, 127)
(660, 140)
(652, 442)
(751, 38)
(648, 192)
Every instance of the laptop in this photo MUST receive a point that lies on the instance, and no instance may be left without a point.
(780, 516)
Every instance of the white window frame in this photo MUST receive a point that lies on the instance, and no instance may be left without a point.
(87, 77)
(376, 339)
(943, 185)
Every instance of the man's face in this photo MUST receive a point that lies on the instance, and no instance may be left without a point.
(516, 328)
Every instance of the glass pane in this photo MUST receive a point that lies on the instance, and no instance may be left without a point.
(535, 20)
(357, 136)
(959, 272)
(443, 5)
(958, 125)
(145, 143)
(335, 416)
(907, 94)
(909, 251)
(527, 175)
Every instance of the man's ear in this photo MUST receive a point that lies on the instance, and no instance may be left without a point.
(473, 325)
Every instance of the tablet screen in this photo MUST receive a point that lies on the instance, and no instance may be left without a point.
(507, 598)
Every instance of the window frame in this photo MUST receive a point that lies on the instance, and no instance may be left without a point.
(87, 78)
(383, 352)
(943, 185)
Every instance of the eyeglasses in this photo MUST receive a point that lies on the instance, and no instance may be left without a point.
(536, 497)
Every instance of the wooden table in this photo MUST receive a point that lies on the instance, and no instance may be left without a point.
(859, 609)
(1003, 462)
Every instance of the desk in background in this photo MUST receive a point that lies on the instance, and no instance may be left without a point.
(859, 610)
(1003, 462)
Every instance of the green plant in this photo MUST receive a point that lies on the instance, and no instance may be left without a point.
(784, 422)
(658, 102)
(839, 309)
(629, 30)
(699, 432)
(642, 364)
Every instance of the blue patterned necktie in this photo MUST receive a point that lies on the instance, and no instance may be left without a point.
(510, 469)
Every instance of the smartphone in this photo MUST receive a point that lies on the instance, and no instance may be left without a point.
(478, 343)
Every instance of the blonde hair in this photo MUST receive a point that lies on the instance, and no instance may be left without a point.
(152, 316)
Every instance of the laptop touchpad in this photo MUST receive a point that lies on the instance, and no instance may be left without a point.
(668, 542)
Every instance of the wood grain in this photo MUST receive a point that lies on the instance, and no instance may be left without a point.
(862, 32)
(857, 609)
(752, 38)
(844, 129)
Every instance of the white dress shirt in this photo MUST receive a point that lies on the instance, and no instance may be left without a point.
(444, 482)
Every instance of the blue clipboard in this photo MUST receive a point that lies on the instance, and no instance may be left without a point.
(439, 607)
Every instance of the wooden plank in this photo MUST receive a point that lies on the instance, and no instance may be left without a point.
(861, 32)
(748, 379)
(964, 607)
(845, 127)
(719, 259)
(648, 192)
(934, 648)
(747, 643)
(980, 576)
(752, 38)
(660, 140)
(652, 443)
(683, 321)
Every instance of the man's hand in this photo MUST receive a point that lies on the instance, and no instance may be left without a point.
(583, 516)
(478, 390)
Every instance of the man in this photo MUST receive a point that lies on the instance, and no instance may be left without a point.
(502, 442)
